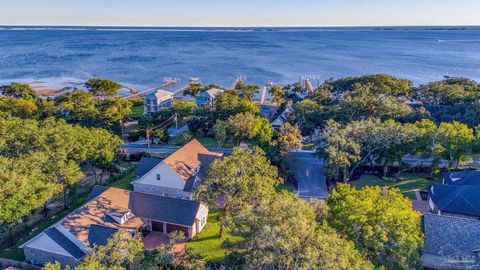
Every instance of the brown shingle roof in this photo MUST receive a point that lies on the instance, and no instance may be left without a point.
(186, 159)
(96, 212)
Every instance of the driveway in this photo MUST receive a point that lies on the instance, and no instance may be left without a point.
(309, 173)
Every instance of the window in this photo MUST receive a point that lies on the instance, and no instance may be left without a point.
(158, 177)
(203, 221)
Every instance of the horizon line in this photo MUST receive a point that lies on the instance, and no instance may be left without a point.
(239, 26)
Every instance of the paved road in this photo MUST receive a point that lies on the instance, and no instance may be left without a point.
(309, 173)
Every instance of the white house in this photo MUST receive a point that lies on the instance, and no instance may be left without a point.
(178, 175)
(207, 97)
(156, 101)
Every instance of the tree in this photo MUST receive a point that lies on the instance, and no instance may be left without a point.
(338, 150)
(448, 92)
(380, 222)
(455, 142)
(101, 149)
(283, 234)
(114, 110)
(23, 188)
(123, 251)
(278, 95)
(289, 137)
(193, 89)
(246, 91)
(19, 107)
(18, 90)
(78, 106)
(308, 115)
(246, 126)
(221, 134)
(349, 146)
(102, 87)
(243, 180)
(230, 103)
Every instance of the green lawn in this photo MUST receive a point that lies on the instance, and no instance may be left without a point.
(409, 183)
(137, 112)
(207, 245)
(123, 182)
(210, 142)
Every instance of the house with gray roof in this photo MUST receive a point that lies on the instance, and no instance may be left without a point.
(157, 100)
(207, 97)
(471, 178)
(451, 242)
(458, 200)
(108, 211)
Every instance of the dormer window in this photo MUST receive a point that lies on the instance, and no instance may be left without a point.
(158, 177)
(120, 216)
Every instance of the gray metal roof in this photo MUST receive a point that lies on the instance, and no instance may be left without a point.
(449, 235)
(99, 235)
(145, 165)
(65, 243)
(456, 199)
(97, 190)
(171, 210)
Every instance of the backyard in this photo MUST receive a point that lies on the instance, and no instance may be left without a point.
(408, 184)
(207, 245)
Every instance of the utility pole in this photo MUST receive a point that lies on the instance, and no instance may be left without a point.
(176, 127)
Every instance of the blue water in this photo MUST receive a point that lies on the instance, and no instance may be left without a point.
(142, 57)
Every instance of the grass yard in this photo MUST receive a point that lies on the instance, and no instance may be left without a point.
(210, 142)
(122, 182)
(137, 112)
(409, 183)
(207, 245)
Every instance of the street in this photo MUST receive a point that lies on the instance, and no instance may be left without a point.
(309, 173)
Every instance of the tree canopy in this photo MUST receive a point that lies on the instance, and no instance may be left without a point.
(102, 87)
(283, 234)
(242, 180)
(380, 222)
(18, 90)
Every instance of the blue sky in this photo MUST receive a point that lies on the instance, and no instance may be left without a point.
(240, 12)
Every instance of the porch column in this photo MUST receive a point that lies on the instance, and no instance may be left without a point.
(164, 227)
(189, 232)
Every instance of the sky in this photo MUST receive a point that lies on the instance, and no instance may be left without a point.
(240, 12)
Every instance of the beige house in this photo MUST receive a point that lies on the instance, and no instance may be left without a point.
(180, 174)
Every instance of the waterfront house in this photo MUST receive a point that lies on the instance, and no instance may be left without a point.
(157, 100)
(107, 211)
(180, 174)
(207, 97)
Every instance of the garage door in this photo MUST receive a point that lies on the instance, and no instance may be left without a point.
(157, 226)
